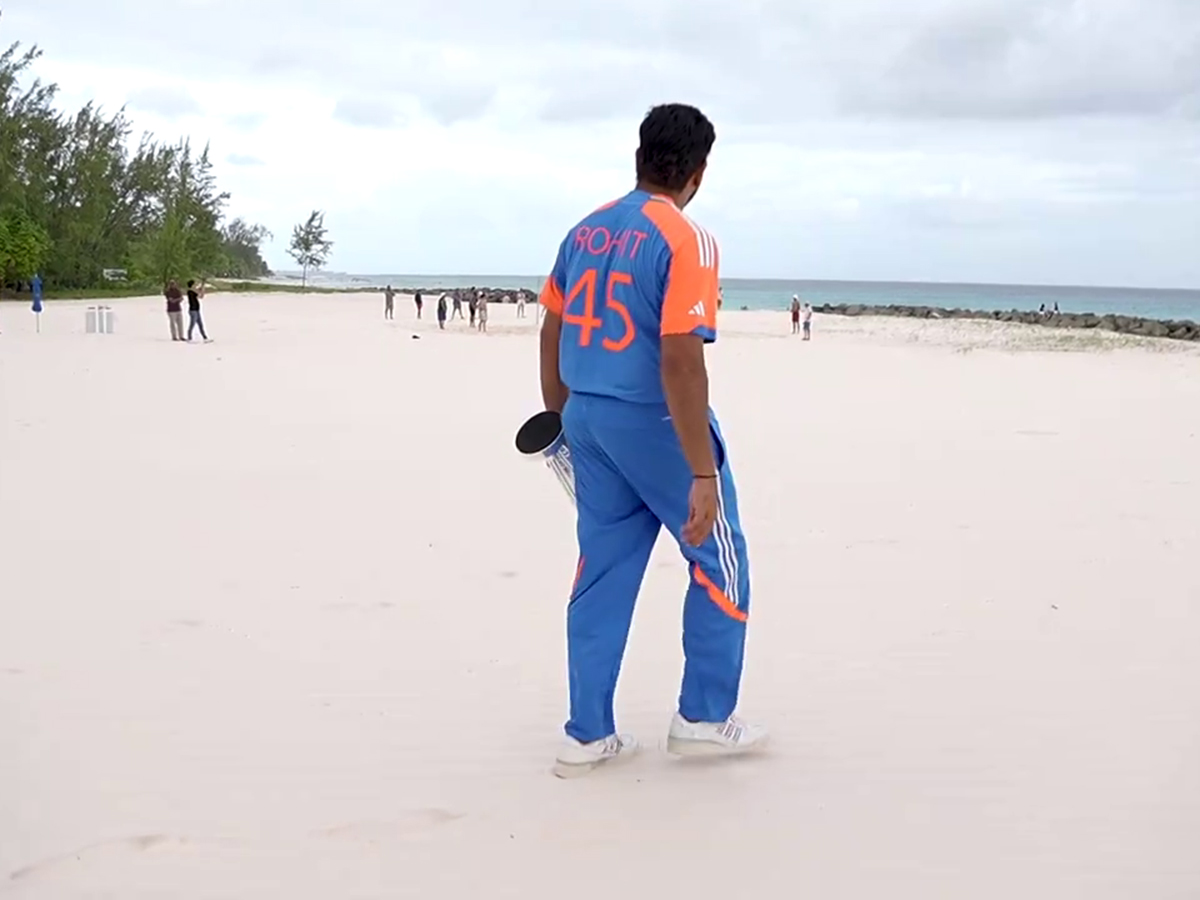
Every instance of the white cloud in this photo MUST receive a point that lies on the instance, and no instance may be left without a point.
(246, 121)
(165, 102)
(241, 159)
(1004, 140)
(363, 113)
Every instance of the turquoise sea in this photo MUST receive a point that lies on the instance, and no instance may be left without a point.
(754, 293)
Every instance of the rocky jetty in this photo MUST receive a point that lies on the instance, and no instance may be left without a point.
(1159, 328)
(492, 295)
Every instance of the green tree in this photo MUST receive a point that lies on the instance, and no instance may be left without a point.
(183, 239)
(84, 207)
(29, 131)
(80, 197)
(23, 246)
(241, 243)
(310, 247)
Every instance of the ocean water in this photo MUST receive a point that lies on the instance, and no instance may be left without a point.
(753, 293)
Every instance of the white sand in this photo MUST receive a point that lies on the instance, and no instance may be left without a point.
(282, 617)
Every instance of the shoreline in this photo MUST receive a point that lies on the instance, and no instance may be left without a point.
(1184, 330)
(960, 333)
(1139, 326)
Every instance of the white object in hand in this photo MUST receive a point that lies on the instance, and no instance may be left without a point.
(541, 437)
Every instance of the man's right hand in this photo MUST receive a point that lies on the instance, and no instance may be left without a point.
(702, 511)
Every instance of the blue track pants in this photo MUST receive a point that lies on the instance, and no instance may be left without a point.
(631, 479)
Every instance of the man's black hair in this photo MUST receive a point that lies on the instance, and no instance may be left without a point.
(191, 282)
(675, 142)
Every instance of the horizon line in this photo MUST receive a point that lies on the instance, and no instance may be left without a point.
(1010, 284)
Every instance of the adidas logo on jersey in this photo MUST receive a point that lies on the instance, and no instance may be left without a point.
(698, 309)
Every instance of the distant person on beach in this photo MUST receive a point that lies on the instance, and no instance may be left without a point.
(389, 303)
(174, 309)
(720, 297)
(806, 320)
(441, 311)
(632, 387)
(520, 304)
(419, 303)
(795, 313)
(483, 312)
(472, 306)
(194, 295)
(457, 309)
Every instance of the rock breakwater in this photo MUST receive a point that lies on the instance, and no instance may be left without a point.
(1159, 328)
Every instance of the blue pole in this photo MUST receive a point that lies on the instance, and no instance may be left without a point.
(36, 287)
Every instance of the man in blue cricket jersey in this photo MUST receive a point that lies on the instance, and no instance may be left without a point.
(630, 304)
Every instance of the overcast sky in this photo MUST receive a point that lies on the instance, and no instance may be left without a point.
(1034, 141)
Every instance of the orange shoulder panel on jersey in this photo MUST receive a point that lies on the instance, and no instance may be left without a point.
(552, 296)
(690, 301)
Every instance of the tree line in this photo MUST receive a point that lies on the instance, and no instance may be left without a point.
(77, 196)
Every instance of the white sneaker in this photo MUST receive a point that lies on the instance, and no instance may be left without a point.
(575, 758)
(728, 738)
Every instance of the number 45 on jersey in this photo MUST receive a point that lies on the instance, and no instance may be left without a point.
(588, 321)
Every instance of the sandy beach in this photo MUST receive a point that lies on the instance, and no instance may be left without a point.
(282, 616)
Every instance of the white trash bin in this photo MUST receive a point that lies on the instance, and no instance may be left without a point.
(107, 319)
(90, 320)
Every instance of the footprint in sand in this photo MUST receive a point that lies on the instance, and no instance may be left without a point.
(414, 822)
(135, 845)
